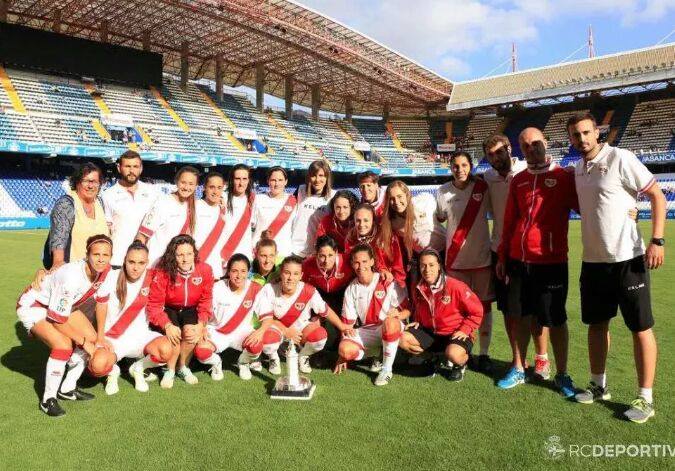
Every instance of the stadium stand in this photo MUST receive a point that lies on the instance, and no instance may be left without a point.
(651, 127)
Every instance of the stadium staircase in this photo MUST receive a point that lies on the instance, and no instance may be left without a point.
(10, 92)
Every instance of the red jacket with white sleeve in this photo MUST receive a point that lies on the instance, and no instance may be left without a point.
(447, 306)
(536, 217)
(194, 290)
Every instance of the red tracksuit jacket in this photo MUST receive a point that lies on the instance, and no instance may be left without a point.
(536, 218)
(194, 290)
(336, 280)
(331, 227)
(446, 309)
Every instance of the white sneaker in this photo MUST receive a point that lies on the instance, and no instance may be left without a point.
(275, 365)
(186, 375)
(303, 364)
(111, 385)
(140, 382)
(376, 365)
(245, 371)
(216, 372)
(150, 377)
(383, 378)
(255, 365)
(167, 379)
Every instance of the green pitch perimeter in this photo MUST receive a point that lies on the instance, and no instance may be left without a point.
(414, 423)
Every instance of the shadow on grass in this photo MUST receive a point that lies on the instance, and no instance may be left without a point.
(28, 358)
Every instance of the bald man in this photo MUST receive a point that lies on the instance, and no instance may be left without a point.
(533, 254)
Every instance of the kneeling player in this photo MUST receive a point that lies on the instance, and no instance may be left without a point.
(123, 330)
(446, 314)
(235, 299)
(377, 307)
(290, 303)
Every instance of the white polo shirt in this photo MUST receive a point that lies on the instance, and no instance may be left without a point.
(451, 202)
(163, 222)
(124, 212)
(499, 191)
(427, 231)
(608, 187)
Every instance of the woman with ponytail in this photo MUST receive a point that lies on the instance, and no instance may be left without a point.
(170, 215)
(122, 323)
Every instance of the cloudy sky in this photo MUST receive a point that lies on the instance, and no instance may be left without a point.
(466, 39)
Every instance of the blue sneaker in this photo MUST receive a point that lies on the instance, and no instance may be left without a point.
(565, 385)
(512, 379)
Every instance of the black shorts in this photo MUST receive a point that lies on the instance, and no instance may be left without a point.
(182, 317)
(501, 290)
(435, 343)
(608, 286)
(538, 290)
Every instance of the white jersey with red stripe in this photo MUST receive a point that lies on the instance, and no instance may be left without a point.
(206, 217)
(451, 202)
(498, 192)
(266, 210)
(232, 218)
(67, 285)
(164, 221)
(31, 307)
(226, 303)
(124, 212)
(310, 211)
(273, 303)
(358, 298)
(107, 294)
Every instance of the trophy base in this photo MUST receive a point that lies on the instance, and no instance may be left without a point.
(284, 390)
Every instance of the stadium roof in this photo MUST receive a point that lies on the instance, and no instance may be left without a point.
(654, 64)
(288, 38)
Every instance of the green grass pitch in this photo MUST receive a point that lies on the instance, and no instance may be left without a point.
(414, 423)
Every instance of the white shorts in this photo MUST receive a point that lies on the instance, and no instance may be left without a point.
(232, 340)
(479, 280)
(132, 344)
(368, 338)
(29, 316)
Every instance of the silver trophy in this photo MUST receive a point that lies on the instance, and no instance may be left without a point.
(293, 386)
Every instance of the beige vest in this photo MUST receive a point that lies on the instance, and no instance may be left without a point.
(85, 227)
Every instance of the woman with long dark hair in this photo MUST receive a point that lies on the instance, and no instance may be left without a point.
(329, 271)
(313, 198)
(171, 214)
(339, 220)
(180, 302)
(122, 323)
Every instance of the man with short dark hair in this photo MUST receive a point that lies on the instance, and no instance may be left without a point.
(126, 203)
(614, 272)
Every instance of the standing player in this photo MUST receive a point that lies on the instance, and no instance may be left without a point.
(533, 254)
(313, 198)
(339, 221)
(503, 167)
(275, 211)
(126, 203)
(464, 204)
(171, 215)
(122, 323)
(290, 303)
(210, 223)
(371, 193)
(447, 313)
(240, 199)
(235, 300)
(374, 309)
(60, 314)
(614, 272)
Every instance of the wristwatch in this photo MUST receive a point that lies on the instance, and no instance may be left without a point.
(659, 241)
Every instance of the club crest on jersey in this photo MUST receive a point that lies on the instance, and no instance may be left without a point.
(247, 304)
(550, 182)
(445, 299)
(299, 306)
(339, 276)
(379, 294)
(197, 280)
(145, 291)
(96, 285)
(477, 196)
(288, 208)
(603, 170)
